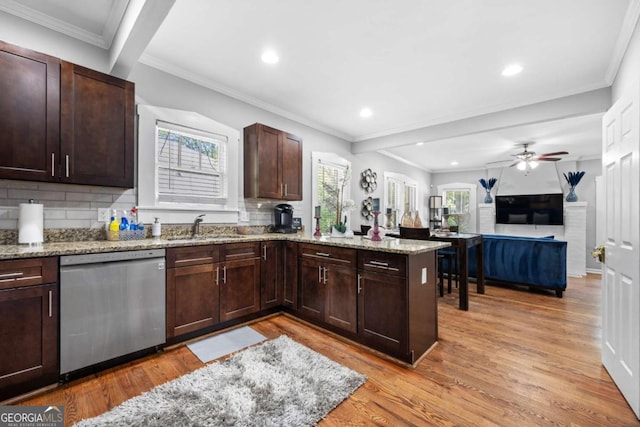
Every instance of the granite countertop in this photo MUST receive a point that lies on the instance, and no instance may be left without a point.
(392, 245)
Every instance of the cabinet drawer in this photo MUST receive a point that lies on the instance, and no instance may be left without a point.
(28, 272)
(381, 262)
(238, 251)
(342, 256)
(192, 255)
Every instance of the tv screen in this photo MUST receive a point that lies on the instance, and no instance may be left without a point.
(538, 209)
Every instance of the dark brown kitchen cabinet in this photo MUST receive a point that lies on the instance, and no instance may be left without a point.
(29, 114)
(272, 271)
(290, 275)
(272, 163)
(328, 285)
(28, 325)
(96, 128)
(192, 289)
(397, 312)
(239, 280)
(64, 123)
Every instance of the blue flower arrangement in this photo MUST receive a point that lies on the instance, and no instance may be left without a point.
(488, 185)
(573, 179)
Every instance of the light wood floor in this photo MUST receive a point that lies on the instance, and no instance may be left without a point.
(516, 358)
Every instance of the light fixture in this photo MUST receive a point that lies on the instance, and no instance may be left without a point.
(512, 70)
(270, 57)
(419, 144)
(522, 166)
(454, 163)
(366, 112)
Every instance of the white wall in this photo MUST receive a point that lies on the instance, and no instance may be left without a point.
(629, 71)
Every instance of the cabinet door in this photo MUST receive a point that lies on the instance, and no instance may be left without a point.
(312, 289)
(29, 114)
(29, 331)
(291, 166)
(382, 312)
(192, 298)
(340, 310)
(291, 275)
(261, 153)
(239, 288)
(96, 125)
(271, 274)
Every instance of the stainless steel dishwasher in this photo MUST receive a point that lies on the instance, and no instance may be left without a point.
(111, 304)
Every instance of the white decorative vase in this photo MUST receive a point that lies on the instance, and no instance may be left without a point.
(346, 234)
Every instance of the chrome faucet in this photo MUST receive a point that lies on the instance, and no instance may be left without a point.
(195, 229)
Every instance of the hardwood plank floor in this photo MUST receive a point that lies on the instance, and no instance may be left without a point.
(516, 358)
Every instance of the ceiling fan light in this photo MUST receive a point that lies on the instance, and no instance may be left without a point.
(533, 164)
(522, 166)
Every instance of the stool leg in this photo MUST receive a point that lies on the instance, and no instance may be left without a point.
(440, 276)
(450, 273)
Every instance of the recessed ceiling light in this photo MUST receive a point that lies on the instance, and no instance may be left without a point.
(270, 57)
(419, 143)
(512, 70)
(366, 112)
(454, 163)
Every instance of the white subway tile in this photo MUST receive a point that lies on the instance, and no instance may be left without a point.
(88, 197)
(8, 224)
(67, 223)
(90, 214)
(26, 194)
(55, 214)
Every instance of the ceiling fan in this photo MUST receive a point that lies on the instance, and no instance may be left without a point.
(528, 160)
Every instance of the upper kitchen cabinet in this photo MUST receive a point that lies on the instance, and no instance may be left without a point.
(96, 128)
(29, 114)
(272, 164)
(60, 122)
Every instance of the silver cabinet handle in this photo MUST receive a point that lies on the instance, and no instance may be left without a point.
(323, 254)
(359, 286)
(50, 303)
(217, 276)
(264, 252)
(319, 274)
(224, 274)
(11, 275)
(325, 275)
(285, 190)
(382, 264)
(67, 164)
(53, 164)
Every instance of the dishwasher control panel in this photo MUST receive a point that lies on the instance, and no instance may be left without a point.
(111, 257)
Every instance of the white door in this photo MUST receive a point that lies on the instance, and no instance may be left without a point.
(620, 278)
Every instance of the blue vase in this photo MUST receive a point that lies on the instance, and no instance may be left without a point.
(572, 197)
(488, 198)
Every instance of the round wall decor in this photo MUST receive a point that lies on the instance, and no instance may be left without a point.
(368, 180)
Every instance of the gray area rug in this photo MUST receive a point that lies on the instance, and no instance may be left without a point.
(277, 383)
(229, 342)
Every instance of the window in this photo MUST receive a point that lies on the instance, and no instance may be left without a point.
(184, 160)
(460, 201)
(191, 165)
(329, 184)
(400, 195)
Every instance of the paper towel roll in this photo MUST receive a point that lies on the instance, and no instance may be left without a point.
(31, 223)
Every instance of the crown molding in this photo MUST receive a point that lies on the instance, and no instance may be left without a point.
(210, 84)
(624, 38)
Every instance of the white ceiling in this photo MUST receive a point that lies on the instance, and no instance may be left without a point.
(415, 63)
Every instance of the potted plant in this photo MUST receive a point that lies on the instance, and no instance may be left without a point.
(334, 199)
(488, 185)
(573, 179)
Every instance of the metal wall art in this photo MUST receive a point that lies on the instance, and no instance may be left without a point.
(368, 181)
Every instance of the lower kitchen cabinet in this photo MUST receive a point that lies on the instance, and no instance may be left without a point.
(192, 289)
(328, 285)
(239, 280)
(272, 269)
(28, 325)
(290, 293)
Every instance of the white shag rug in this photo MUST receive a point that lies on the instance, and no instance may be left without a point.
(277, 383)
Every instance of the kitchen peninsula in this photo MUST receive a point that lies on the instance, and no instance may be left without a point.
(379, 294)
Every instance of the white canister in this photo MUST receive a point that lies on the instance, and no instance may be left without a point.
(156, 229)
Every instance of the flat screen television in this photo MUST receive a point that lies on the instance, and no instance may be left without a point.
(538, 209)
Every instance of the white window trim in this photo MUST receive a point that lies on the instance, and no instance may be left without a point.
(407, 182)
(177, 213)
(316, 157)
(473, 189)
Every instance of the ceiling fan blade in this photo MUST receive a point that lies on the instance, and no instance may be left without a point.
(515, 163)
(549, 159)
(557, 153)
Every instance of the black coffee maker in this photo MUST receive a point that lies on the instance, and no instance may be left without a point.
(283, 214)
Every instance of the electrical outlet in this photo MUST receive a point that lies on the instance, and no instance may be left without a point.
(103, 214)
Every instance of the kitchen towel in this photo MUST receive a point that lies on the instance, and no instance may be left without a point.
(31, 223)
